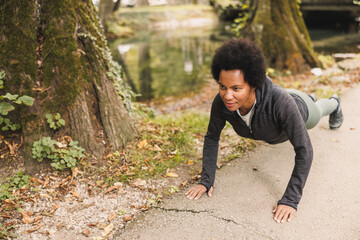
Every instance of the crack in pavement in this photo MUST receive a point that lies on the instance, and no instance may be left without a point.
(180, 210)
(251, 228)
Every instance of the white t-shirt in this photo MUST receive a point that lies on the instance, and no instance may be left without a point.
(247, 118)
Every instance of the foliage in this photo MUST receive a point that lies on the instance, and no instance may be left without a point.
(11, 184)
(55, 121)
(122, 89)
(6, 232)
(7, 106)
(64, 154)
(166, 142)
(240, 22)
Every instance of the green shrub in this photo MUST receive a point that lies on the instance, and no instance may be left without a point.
(64, 157)
(6, 105)
(55, 121)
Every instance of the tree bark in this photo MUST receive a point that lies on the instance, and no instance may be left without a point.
(55, 52)
(278, 28)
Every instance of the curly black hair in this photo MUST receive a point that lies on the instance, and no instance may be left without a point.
(240, 54)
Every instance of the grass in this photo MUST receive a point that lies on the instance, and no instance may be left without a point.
(164, 142)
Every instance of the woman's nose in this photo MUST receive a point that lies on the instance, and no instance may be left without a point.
(228, 95)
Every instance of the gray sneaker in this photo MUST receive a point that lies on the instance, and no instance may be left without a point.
(336, 117)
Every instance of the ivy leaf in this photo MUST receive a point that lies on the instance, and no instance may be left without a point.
(57, 116)
(48, 116)
(10, 96)
(62, 122)
(2, 74)
(29, 101)
(1, 120)
(5, 108)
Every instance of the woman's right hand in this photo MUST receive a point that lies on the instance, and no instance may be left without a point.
(197, 191)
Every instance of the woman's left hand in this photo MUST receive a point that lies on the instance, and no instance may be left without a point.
(283, 213)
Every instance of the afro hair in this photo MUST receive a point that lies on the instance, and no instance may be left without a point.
(240, 54)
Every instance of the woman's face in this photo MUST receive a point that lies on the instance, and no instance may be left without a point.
(235, 92)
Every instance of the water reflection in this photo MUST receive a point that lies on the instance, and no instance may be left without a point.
(166, 63)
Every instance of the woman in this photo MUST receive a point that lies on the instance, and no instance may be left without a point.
(261, 110)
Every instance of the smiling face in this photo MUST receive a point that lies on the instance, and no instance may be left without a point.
(235, 92)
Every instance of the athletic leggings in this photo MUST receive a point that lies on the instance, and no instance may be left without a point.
(318, 109)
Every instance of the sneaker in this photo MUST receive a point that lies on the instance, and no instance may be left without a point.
(336, 117)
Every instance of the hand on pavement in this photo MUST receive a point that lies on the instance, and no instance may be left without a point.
(283, 213)
(197, 191)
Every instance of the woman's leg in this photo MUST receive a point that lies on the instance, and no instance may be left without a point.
(318, 109)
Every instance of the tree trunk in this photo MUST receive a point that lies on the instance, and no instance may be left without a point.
(55, 52)
(105, 11)
(145, 77)
(278, 28)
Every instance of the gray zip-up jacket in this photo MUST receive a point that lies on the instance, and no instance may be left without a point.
(278, 117)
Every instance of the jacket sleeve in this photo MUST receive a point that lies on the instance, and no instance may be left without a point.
(294, 126)
(211, 144)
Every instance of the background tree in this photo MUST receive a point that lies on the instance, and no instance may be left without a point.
(279, 29)
(55, 52)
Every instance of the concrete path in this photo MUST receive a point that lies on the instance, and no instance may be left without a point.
(241, 207)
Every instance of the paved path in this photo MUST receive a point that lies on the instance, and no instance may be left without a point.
(241, 207)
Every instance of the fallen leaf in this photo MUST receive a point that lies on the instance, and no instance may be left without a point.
(61, 145)
(139, 182)
(60, 226)
(26, 218)
(47, 180)
(184, 183)
(37, 227)
(75, 172)
(352, 128)
(75, 194)
(112, 216)
(110, 155)
(92, 224)
(37, 218)
(157, 148)
(9, 201)
(190, 162)
(36, 180)
(86, 232)
(112, 196)
(172, 174)
(107, 230)
(128, 218)
(54, 208)
(105, 185)
(112, 188)
(142, 144)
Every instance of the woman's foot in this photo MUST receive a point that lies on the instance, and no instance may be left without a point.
(336, 117)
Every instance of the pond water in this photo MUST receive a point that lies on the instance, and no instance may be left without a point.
(171, 63)
(177, 62)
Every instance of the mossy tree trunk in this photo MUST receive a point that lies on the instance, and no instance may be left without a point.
(55, 52)
(278, 27)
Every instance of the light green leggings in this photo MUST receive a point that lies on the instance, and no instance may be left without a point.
(318, 109)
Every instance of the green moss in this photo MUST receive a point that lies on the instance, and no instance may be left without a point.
(17, 50)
